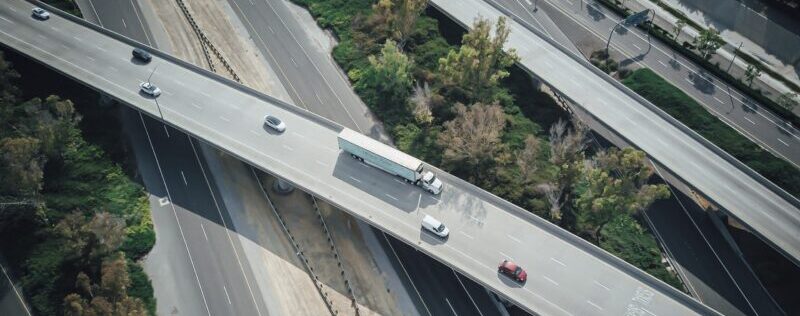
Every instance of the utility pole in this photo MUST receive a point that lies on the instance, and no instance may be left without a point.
(734, 56)
(157, 105)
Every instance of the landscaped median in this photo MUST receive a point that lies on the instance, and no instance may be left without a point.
(682, 107)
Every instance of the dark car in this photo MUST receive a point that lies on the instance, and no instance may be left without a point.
(142, 55)
(512, 270)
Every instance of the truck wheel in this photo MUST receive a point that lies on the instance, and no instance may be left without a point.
(354, 156)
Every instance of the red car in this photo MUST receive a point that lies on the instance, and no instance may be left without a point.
(513, 271)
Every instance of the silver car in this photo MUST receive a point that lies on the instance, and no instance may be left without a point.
(275, 123)
(150, 89)
(40, 13)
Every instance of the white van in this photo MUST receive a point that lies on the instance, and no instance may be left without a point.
(435, 226)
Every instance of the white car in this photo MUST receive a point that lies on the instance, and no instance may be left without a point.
(41, 13)
(150, 89)
(275, 123)
(434, 226)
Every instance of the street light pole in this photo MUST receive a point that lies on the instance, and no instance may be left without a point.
(155, 99)
(734, 56)
(535, 5)
(608, 43)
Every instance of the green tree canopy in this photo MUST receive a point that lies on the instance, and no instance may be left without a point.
(386, 83)
(471, 141)
(708, 42)
(480, 62)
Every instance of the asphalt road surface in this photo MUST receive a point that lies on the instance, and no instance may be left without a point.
(566, 274)
(770, 212)
(201, 260)
(316, 84)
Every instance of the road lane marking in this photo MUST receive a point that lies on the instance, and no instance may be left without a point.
(224, 119)
(551, 280)
(783, 142)
(254, 133)
(318, 98)
(688, 80)
(166, 131)
(602, 101)
(90, 58)
(19, 297)
(197, 106)
(466, 291)
(559, 262)
(749, 120)
(226, 295)
(505, 256)
(100, 48)
(451, 306)
(77, 39)
(293, 62)
(394, 198)
(601, 285)
(359, 181)
(419, 199)
(398, 181)
(125, 25)
(115, 70)
(184, 178)
(637, 46)
(662, 63)
(465, 234)
(514, 239)
(718, 100)
(204, 231)
(41, 36)
(595, 305)
(7, 20)
(271, 30)
(298, 134)
(288, 148)
(321, 163)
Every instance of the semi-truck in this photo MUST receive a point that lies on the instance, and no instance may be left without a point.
(388, 159)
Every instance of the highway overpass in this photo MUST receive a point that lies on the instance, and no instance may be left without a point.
(567, 275)
(766, 209)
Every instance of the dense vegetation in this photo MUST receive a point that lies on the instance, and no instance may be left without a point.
(685, 109)
(463, 106)
(71, 222)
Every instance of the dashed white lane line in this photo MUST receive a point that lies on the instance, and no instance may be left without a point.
(288, 148)
(318, 98)
(298, 134)
(90, 58)
(359, 181)
(451, 306)
(513, 238)
(197, 106)
(125, 25)
(115, 70)
(224, 119)
(718, 100)
(100, 48)
(270, 30)
(466, 235)
(595, 305)
(783, 142)
(7, 20)
(662, 63)
(204, 231)
(254, 133)
(601, 285)
(688, 80)
(637, 46)
(226, 295)
(184, 178)
(293, 62)
(41, 36)
(321, 163)
(559, 262)
(505, 256)
(391, 197)
(751, 121)
(551, 280)
(77, 39)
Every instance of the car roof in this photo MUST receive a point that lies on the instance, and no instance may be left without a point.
(430, 220)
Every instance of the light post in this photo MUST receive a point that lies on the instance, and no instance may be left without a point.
(734, 56)
(535, 5)
(156, 99)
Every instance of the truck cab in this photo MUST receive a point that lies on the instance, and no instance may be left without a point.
(430, 183)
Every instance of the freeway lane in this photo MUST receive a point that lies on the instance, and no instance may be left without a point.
(568, 276)
(316, 84)
(768, 213)
(195, 252)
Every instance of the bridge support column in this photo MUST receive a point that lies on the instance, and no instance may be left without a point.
(280, 186)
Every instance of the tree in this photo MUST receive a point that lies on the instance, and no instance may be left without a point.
(787, 100)
(678, 27)
(421, 102)
(480, 62)
(386, 83)
(528, 159)
(751, 73)
(21, 165)
(615, 183)
(87, 240)
(395, 19)
(708, 42)
(472, 139)
(112, 293)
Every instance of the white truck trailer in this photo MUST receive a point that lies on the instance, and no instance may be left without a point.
(386, 158)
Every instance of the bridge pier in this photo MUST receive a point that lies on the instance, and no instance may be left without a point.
(281, 186)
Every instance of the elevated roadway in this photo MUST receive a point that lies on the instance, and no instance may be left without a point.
(765, 208)
(567, 275)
